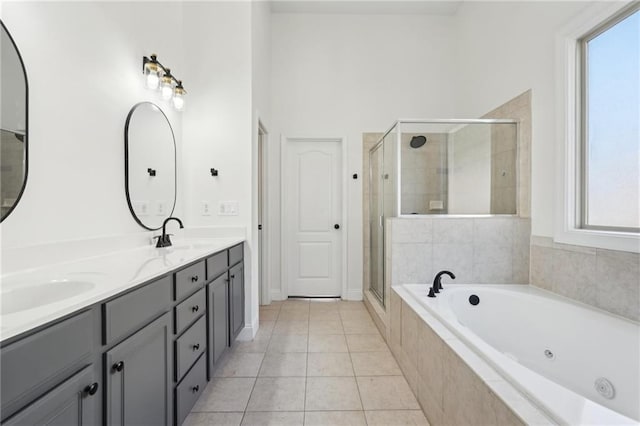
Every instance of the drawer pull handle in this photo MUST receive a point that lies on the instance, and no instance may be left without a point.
(196, 388)
(195, 308)
(194, 278)
(91, 389)
(196, 347)
(118, 366)
(233, 276)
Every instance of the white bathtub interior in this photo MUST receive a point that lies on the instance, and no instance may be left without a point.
(554, 350)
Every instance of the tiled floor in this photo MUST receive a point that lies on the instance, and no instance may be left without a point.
(312, 363)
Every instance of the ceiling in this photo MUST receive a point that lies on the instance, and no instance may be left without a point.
(367, 7)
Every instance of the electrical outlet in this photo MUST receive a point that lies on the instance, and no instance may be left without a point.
(205, 208)
(141, 208)
(228, 208)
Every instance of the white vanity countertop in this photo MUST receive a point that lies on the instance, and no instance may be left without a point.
(54, 291)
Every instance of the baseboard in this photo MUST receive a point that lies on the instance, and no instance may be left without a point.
(354, 295)
(276, 294)
(248, 332)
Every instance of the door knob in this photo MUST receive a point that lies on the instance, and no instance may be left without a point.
(336, 226)
(118, 366)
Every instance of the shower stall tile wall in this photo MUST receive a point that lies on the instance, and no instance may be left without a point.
(478, 250)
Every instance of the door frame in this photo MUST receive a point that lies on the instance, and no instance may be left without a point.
(264, 234)
(284, 216)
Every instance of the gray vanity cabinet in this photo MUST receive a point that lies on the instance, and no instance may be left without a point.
(136, 358)
(236, 279)
(138, 378)
(218, 311)
(73, 403)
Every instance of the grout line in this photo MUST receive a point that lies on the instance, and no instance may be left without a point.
(256, 378)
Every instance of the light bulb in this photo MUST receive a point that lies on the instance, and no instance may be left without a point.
(166, 86)
(178, 97)
(151, 73)
(152, 81)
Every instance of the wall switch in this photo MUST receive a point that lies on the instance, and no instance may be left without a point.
(205, 208)
(228, 208)
(141, 208)
(436, 205)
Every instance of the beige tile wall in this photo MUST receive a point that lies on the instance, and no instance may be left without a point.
(607, 279)
(492, 250)
(423, 173)
(12, 154)
(448, 391)
(519, 108)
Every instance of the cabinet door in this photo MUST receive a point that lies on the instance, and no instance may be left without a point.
(138, 377)
(73, 403)
(218, 319)
(236, 275)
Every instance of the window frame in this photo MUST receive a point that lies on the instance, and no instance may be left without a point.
(582, 148)
(569, 102)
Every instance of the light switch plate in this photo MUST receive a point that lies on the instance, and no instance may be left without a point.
(228, 208)
(161, 208)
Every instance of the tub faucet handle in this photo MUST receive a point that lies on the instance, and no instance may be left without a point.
(431, 292)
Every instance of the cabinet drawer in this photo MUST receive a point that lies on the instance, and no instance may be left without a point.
(190, 389)
(131, 311)
(235, 254)
(37, 363)
(217, 264)
(189, 346)
(189, 310)
(189, 280)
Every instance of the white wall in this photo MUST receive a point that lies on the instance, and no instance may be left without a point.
(83, 63)
(342, 75)
(503, 49)
(218, 123)
(261, 108)
(84, 66)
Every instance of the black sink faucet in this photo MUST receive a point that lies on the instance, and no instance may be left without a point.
(164, 240)
(437, 282)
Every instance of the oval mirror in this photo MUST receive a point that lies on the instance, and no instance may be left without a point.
(150, 165)
(14, 94)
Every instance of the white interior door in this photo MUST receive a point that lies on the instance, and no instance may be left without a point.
(313, 228)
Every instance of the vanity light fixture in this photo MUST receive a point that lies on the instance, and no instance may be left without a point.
(157, 76)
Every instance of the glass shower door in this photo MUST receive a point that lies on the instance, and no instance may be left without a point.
(376, 222)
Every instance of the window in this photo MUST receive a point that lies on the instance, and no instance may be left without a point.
(608, 134)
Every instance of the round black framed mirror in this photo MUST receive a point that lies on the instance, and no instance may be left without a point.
(149, 165)
(14, 123)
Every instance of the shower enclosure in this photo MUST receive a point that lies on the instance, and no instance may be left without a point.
(439, 167)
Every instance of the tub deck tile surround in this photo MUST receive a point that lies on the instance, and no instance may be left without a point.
(318, 378)
(454, 385)
(606, 279)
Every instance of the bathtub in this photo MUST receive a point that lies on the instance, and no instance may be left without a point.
(577, 364)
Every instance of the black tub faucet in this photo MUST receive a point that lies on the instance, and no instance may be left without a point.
(437, 282)
(164, 240)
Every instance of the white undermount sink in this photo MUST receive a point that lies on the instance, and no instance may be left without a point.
(29, 296)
